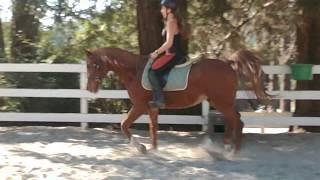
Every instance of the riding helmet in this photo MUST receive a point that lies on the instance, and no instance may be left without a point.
(172, 4)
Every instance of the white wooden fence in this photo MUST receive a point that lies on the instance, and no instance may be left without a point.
(84, 95)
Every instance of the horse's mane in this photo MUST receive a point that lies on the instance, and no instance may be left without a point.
(123, 57)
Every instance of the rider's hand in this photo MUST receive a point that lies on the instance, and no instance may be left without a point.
(153, 55)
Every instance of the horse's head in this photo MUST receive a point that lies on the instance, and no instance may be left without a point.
(103, 61)
(96, 69)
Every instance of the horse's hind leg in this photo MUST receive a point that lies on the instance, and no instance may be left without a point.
(228, 128)
(236, 126)
(227, 136)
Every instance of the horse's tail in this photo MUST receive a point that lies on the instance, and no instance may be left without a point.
(248, 68)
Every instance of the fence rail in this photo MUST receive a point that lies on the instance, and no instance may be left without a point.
(84, 95)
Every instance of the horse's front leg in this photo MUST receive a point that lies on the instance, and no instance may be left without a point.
(153, 126)
(134, 113)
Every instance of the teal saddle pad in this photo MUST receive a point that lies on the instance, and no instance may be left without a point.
(177, 78)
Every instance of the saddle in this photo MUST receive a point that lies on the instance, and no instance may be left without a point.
(177, 79)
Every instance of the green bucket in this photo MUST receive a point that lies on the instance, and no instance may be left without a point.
(301, 71)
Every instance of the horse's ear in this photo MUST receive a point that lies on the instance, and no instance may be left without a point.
(88, 52)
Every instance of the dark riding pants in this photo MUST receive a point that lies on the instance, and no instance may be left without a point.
(157, 80)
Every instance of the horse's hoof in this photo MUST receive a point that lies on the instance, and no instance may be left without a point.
(142, 149)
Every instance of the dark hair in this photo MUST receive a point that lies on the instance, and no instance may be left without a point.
(182, 25)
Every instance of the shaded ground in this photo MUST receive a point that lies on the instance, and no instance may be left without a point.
(71, 153)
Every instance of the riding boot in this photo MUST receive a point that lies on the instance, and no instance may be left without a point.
(158, 98)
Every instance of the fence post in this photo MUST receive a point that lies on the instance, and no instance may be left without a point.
(83, 101)
(205, 114)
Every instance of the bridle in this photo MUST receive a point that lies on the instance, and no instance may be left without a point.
(96, 78)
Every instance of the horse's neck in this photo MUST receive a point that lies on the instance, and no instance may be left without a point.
(126, 65)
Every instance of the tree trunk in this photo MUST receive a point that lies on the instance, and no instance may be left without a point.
(2, 47)
(24, 30)
(25, 36)
(59, 11)
(308, 45)
(150, 24)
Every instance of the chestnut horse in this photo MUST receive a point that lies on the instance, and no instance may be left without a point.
(209, 79)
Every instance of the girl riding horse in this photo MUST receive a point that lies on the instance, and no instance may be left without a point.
(174, 55)
(210, 79)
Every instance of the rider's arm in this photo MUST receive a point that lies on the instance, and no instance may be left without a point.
(170, 28)
(170, 35)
